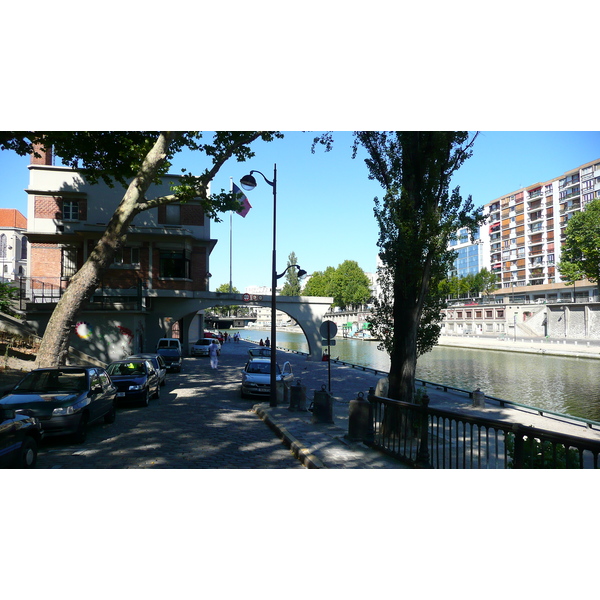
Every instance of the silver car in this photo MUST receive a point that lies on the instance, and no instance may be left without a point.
(256, 377)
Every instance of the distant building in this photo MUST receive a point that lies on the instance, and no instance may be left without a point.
(524, 231)
(13, 245)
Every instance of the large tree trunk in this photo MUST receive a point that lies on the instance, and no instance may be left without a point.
(55, 343)
(403, 357)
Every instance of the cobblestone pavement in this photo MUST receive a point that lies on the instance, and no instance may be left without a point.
(200, 421)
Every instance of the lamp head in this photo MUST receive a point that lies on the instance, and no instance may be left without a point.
(248, 182)
(301, 272)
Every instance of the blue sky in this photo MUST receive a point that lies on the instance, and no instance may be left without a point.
(325, 200)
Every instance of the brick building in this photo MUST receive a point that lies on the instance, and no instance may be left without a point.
(148, 291)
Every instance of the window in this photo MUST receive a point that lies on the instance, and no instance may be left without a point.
(127, 256)
(174, 264)
(3, 246)
(69, 262)
(173, 214)
(23, 248)
(70, 211)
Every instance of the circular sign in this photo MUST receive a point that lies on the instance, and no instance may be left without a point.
(246, 298)
(328, 330)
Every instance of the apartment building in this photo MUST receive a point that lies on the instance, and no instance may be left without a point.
(524, 231)
(13, 245)
(147, 293)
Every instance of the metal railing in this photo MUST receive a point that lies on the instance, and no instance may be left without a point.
(435, 438)
(49, 291)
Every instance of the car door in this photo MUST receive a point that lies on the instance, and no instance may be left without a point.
(153, 383)
(286, 374)
(108, 390)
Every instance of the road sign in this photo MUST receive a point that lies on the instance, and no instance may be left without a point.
(329, 342)
(328, 329)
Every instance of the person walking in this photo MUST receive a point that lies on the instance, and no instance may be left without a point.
(213, 352)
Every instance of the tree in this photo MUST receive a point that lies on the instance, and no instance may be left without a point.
(486, 281)
(347, 285)
(320, 283)
(580, 257)
(8, 294)
(139, 158)
(351, 287)
(417, 218)
(291, 287)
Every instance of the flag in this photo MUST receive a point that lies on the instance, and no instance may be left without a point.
(245, 204)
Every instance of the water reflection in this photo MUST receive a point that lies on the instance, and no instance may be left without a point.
(565, 385)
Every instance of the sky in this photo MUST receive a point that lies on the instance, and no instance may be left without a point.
(325, 200)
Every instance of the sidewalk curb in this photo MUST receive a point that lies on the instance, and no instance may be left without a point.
(304, 455)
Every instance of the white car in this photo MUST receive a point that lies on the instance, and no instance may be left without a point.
(200, 347)
(256, 377)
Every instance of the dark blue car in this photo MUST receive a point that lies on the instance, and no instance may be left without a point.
(136, 380)
(20, 437)
(65, 400)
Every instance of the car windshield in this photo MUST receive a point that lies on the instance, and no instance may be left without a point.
(202, 343)
(167, 344)
(54, 380)
(260, 367)
(127, 368)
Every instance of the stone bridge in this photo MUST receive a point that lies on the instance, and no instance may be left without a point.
(307, 311)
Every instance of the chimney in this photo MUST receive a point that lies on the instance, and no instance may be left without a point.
(46, 155)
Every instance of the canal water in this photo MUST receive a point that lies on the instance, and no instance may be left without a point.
(560, 384)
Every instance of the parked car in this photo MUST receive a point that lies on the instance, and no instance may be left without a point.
(170, 350)
(65, 400)
(214, 336)
(256, 376)
(158, 362)
(20, 437)
(200, 347)
(136, 380)
(259, 351)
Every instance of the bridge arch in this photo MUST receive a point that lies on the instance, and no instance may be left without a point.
(307, 311)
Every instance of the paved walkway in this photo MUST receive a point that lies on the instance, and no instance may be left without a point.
(201, 421)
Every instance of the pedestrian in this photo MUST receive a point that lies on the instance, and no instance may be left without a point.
(267, 342)
(213, 352)
(261, 343)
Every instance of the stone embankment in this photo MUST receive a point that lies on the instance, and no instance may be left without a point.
(553, 346)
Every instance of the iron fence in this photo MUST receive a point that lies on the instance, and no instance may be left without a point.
(435, 438)
(39, 291)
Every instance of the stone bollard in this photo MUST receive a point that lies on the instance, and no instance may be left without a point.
(322, 406)
(360, 420)
(297, 397)
(478, 398)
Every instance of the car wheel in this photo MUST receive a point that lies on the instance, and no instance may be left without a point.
(81, 433)
(111, 415)
(163, 381)
(146, 399)
(157, 393)
(28, 453)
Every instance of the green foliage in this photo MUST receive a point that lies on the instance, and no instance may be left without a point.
(291, 286)
(468, 286)
(542, 455)
(347, 284)
(8, 294)
(417, 218)
(580, 256)
(116, 157)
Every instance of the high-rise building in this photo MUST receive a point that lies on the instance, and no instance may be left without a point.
(524, 231)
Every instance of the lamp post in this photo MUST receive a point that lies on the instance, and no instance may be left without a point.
(248, 182)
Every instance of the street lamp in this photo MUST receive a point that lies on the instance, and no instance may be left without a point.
(248, 182)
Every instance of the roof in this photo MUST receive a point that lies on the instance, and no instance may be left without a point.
(11, 217)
